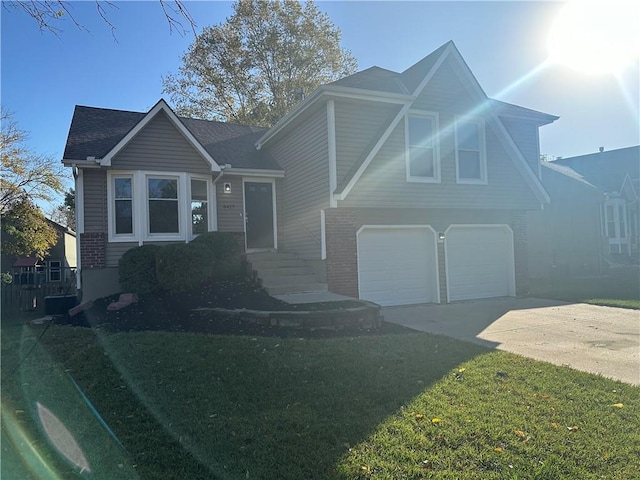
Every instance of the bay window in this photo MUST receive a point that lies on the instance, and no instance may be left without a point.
(163, 205)
(199, 207)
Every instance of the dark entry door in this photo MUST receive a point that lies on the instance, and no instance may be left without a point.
(258, 204)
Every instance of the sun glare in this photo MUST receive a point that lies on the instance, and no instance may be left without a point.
(596, 36)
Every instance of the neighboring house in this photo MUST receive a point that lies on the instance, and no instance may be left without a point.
(57, 267)
(565, 237)
(398, 188)
(617, 174)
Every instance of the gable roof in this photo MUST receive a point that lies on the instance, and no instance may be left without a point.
(101, 133)
(607, 169)
(417, 77)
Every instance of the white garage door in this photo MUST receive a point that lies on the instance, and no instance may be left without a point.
(397, 265)
(479, 262)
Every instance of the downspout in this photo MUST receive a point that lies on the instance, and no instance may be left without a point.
(76, 174)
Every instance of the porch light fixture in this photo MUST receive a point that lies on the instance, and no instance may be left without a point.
(227, 188)
(441, 236)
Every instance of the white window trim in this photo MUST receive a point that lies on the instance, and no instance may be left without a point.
(210, 204)
(436, 146)
(111, 220)
(140, 199)
(52, 269)
(483, 150)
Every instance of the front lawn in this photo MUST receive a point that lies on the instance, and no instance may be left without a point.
(403, 405)
(619, 288)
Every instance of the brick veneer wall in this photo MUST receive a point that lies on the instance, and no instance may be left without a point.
(342, 260)
(92, 250)
(520, 251)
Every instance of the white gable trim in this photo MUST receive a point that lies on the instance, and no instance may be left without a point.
(394, 123)
(160, 106)
(331, 145)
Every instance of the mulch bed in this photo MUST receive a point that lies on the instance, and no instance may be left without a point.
(174, 313)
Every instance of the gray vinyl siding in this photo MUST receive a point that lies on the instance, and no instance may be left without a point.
(114, 251)
(230, 205)
(525, 135)
(95, 200)
(159, 146)
(358, 126)
(303, 154)
(384, 183)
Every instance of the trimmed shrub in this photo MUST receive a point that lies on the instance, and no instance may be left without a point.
(183, 266)
(223, 252)
(137, 269)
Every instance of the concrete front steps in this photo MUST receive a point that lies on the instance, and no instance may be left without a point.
(284, 273)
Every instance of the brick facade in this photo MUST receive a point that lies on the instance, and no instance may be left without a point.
(342, 256)
(92, 250)
(520, 251)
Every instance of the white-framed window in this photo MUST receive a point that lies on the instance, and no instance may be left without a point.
(163, 205)
(470, 149)
(122, 205)
(55, 270)
(159, 206)
(199, 206)
(422, 149)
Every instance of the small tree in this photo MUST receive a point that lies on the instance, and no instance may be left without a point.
(25, 230)
(65, 213)
(255, 67)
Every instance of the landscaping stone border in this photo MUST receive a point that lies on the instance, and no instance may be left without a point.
(368, 316)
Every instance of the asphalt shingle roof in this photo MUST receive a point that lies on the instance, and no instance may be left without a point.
(95, 131)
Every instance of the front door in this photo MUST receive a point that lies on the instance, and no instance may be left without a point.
(258, 208)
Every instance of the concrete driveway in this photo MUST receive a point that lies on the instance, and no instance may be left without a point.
(591, 338)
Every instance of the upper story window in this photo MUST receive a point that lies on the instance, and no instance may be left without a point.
(471, 157)
(422, 155)
(163, 200)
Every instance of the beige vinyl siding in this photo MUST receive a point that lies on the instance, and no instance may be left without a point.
(70, 253)
(358, 126)
(303, 154)
(230, 205)
(525, 136)
(95, 200)
(161, 147)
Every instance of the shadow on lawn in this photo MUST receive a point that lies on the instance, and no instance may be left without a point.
(227, 406)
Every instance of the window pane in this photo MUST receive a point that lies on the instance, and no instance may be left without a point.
(199, 217)
(124, 216)
(468, 164)
(420, 131)
(123, 187)
(163, 216)
(163, 188)
(421, 162)
(467, 136)
(199, 190)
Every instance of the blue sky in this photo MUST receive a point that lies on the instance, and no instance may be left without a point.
(504, 43)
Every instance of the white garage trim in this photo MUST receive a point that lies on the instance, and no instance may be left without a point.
(503, 253)
(432, 287)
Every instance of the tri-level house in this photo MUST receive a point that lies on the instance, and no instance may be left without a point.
(398, 188)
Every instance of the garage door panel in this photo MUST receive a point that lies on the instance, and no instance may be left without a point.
(479, 262)
(396, 266)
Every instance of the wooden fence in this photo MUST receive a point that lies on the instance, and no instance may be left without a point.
(30, 298)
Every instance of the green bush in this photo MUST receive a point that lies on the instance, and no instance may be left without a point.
(183, 266)
(137, 269)
(223, 253)
(6, 278)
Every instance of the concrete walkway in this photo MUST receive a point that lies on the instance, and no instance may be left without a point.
(591, 338)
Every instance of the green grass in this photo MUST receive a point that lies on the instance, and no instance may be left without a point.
(620, 288)
(196, 406)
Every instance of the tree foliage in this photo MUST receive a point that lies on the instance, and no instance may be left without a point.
(25, 230)
(254, 67)
(23, 171)
(65, 213)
